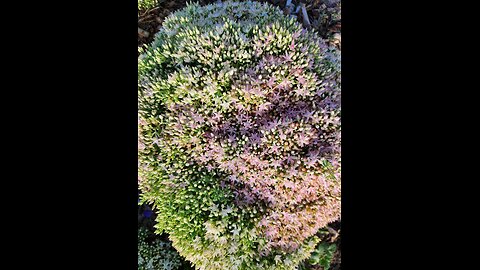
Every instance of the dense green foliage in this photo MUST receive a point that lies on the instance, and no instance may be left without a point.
(146, 4)
(156, 254)
(323, 255)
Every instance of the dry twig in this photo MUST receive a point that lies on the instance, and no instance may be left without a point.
(288, 7)
(306, 21)
(297, 10)
(148, 11)
(335, 233)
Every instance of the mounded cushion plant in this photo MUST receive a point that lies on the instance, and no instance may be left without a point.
(239, 135)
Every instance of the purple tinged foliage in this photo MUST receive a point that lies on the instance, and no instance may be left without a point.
(293, 172)
(288, 57)
(302, 80)
(264, 106)
(255, 138)
(302, 139)
(292, 45)
(290, 159)
(311, 162)
(285, 84)
(274, 149)
(302, 91)
(209, 167)
(271, 82)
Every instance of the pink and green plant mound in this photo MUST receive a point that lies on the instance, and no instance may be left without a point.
(239, 135)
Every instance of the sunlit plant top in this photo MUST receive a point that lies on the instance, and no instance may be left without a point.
(147, 4)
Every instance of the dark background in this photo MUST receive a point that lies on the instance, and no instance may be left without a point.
(69, 126)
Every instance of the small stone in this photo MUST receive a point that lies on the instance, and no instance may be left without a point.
(337, 37)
